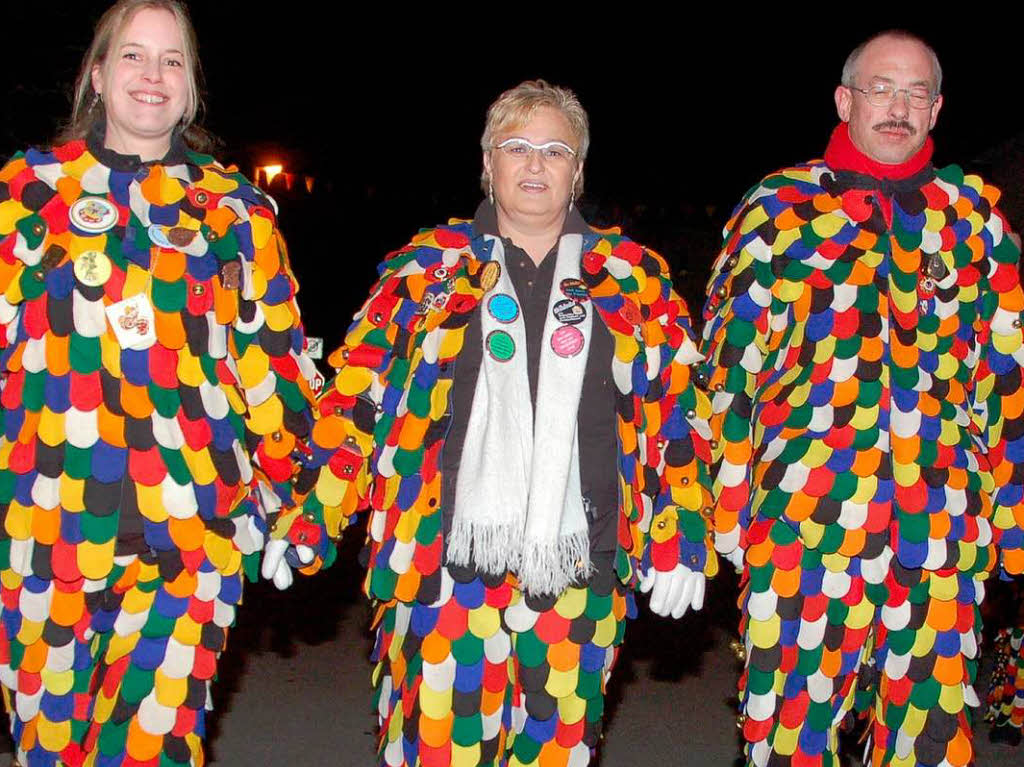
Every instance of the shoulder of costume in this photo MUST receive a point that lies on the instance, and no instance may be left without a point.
(433, 246)
(230, 182)
(957, 184)
(609, 249)
(800, 181)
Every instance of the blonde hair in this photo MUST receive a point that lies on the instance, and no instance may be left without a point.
(515, 108)
(87, 107)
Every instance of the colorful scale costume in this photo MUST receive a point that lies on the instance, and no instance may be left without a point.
(864, 345)
(1006, 691)
(130, 504)
(470, 671)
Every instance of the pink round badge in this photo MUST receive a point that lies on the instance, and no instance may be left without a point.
(567, 341)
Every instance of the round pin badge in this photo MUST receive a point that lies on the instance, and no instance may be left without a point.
(503, 307)
(92, 268)
(157, 236)
(489, 274)
(181, 237)
(567, 341)
(500, 345)
(569, 312)
(574, 288)
(93, 214)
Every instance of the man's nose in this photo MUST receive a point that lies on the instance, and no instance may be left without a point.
(900, 106)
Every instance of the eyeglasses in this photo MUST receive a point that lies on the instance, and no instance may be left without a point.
(553, 151)
(883, 94)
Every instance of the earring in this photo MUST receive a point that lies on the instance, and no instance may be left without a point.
(96, 99)
(572, 198)
(490, 191)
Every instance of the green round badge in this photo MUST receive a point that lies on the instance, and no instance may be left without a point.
(500, 345)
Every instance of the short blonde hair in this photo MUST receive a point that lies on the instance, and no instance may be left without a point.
(86, 107)
(515, 107)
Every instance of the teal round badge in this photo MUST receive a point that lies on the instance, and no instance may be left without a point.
(503, 307)
(500, 345)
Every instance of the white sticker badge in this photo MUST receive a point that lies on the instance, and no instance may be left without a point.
(93, 214)
(132, 321)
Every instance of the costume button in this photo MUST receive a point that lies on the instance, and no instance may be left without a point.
(719, 386)
(684, 481)
(721, 292)
(39, 275)
(198, 290)
(309, 516)
(339, 410)
(694, 560)
(276, 436)
(1017, 323)
(713, 443)
(731, 262)
(201, 198)
(211, 236)
(707, 511)
(691, 414)
(38, 229)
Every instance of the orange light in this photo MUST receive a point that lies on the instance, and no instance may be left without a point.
(270, 171)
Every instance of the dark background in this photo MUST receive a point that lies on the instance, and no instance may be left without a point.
(385, 109)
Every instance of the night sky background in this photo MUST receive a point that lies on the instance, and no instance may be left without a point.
(385, 109)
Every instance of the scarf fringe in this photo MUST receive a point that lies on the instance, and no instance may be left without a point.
(492, 549)
(545, 568)
(550, 567)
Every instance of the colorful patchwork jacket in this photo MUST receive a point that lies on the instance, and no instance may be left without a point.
(865, 351)
(147, 449)
(384, 419)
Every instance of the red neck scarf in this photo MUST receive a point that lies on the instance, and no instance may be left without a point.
(842, 154)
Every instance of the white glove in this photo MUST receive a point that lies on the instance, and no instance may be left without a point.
(735, 558)
(674, 593)
(276, 568)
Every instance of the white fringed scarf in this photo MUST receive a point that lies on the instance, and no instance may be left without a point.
(518, 499)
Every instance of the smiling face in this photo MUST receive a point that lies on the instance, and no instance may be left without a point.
(889, 134)
(531, 189)
(144, 84)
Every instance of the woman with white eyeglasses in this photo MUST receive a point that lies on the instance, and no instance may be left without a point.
(514, 406)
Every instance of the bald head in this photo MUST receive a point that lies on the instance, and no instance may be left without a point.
(850, 67)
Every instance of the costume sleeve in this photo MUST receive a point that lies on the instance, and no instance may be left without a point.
(736, 318)
(266, 345)
(348, 409)
(998, 406)
(19, 234)
(679, 527)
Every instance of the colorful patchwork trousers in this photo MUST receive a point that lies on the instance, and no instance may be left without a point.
(116, 672)
(487, 676)
(827, 636)
(1006, 689)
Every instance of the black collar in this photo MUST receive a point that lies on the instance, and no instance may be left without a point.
(848, 179)
(485, 221)
(129, 163)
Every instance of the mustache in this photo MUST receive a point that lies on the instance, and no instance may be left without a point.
(895, 125)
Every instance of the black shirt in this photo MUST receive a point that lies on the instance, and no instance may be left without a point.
(596, 420)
